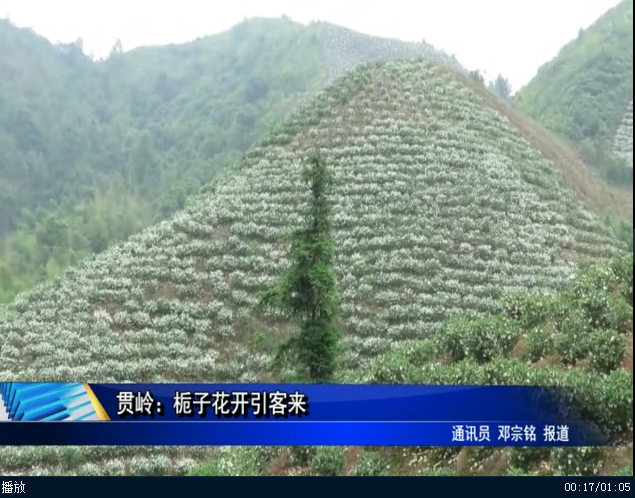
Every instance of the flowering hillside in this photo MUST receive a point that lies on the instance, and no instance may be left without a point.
(440, 207)
(344, 49)
(623, 144)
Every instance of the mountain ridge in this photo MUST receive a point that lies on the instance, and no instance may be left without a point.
(583, 92)
(105, 148)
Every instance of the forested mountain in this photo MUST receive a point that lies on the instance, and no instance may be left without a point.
(93, 151)
(444, 202)
(585, 92)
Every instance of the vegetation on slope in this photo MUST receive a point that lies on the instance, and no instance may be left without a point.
(623, 142)
(589, 188)
(583, 92)
(580, 337)
(440, 206)
(92, 152)
(616, 205)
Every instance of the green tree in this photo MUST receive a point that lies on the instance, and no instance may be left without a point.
(477, 76)
(502, 87)
(307, 290)
(117, 48)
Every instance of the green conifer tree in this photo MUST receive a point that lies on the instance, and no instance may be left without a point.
(307, 290)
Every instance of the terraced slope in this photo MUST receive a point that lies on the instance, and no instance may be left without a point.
(440, 205)
(343, 49)
(623, 143)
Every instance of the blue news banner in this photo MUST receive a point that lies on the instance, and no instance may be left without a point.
(289, 415)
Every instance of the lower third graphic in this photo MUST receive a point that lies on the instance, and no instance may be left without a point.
(31, 401)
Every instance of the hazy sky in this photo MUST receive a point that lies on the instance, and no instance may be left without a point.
(512, 37)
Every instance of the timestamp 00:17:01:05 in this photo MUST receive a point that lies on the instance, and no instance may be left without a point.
(598, 486)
